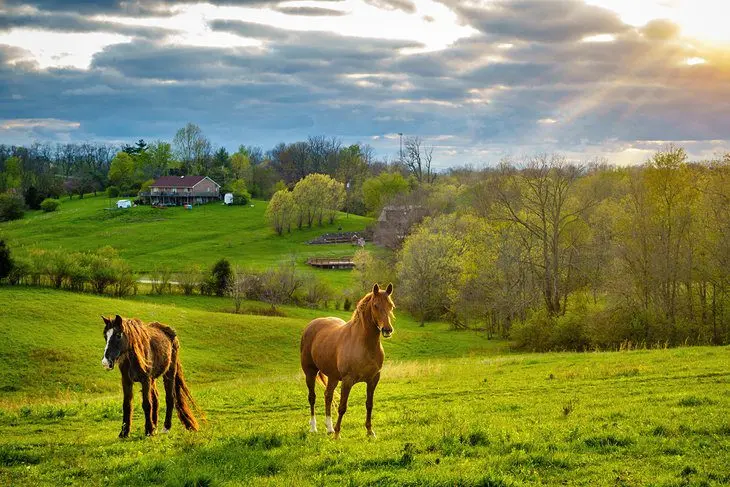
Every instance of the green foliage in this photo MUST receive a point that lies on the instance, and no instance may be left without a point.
(317, 196)
(11, 207)
(49, 205)
(281, 211)
(221, 276)
(6, 261)
(379, 190)
(113, 192)
(241, 196)
(121, 170)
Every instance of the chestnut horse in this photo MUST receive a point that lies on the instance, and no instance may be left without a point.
(334, 351)
(145, 352)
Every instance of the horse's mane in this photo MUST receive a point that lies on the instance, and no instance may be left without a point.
(362, 304)
(138, 337)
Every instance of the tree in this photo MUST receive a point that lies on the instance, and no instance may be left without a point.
(541, 201)
(121, 171)
(161, 158)
(6, 261)
(379, 190)
(428, 266)
(241, 196)
(192, 149)
(237, 288)
(315, 196)
(280, 211)
(221, 277)
(241, 165)
(418, 160)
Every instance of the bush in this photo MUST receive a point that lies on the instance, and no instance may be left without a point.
(113, 191)
(161, 276)
(11, 207)
(316, 291)
(19, 272)
(221, 277)
(49, 205)
(189, 279)
(6, 262)
(241, 196)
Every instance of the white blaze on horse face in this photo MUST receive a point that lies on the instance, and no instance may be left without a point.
(104, 362)
(328, 424)
(313, 425)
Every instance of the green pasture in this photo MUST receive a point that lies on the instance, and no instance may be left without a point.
(176, 237)
(452, 408)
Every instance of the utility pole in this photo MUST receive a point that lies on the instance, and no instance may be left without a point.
(401, 147)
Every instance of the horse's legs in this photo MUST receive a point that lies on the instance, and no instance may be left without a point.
(169, 381)
(126, 405)
(311, 383)
(155, 404)
(372, 384)
(347, 384)
(328, 394)
(147, 406)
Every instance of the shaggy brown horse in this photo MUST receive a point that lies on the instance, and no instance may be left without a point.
(333, 351)
(144, 352)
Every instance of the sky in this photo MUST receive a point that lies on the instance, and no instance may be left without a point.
(476, 80)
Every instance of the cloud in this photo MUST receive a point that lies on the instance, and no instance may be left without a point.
(405, 5)
(524, 82)
(311, 11)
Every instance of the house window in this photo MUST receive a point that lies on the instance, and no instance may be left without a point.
(174, 190)
(208, 189)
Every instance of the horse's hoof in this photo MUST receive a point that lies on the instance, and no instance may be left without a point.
(165, 431)
(336, 436)
(123, 434)
(371, 434)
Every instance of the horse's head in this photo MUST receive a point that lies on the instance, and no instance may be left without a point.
(381, 309)
(116, 342)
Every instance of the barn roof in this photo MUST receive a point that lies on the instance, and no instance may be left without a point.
(179, 181)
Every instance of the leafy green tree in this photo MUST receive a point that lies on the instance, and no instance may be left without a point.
(281, 210)
(379, 190)
(241, 196)
(122, 169)
(241, 165)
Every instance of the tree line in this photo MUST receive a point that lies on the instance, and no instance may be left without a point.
(29, 175)
(563, 256)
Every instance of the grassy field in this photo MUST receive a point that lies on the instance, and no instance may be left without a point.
(176, 237)
(452, 408)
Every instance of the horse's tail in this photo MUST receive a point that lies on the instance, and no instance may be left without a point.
(184, 401)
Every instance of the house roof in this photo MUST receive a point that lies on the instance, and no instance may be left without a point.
(180, 181)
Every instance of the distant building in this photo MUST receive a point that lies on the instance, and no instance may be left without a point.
(395, 223)
(182, 190)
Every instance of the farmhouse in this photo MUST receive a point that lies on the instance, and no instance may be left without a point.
(395, 222)
(182, 190)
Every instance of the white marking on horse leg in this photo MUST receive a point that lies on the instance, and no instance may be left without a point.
(165, 431)
(313, 424)
(328, 424)
(104, 362)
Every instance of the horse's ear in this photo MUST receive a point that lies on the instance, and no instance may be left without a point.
(389, 289)
(376, 289)
(118, 321)
(106, 320)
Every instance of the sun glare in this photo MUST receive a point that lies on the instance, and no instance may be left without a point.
(704, 20)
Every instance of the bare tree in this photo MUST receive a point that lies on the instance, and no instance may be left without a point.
(192, 148)
(418, 160)
(237, 287)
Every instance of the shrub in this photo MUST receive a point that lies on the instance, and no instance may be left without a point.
(113, 191)
(316, 291)
(11, 207)
(221, 276)
(161, 276)
(189, 279)
(19, 272)
(6, 262)
(49, 205)
(241, 196)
